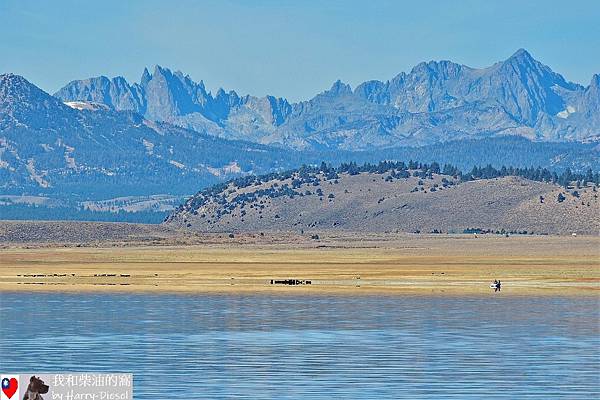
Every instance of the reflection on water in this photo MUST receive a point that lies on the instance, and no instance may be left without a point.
(190, 347)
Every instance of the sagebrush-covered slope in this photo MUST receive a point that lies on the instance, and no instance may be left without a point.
(391, 202)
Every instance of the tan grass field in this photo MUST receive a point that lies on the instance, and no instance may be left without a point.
(397, 264)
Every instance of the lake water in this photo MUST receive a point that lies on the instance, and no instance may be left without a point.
(306, 347)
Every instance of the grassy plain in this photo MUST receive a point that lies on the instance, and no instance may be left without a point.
(338, 263)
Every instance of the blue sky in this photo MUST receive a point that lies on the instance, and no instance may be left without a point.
(288, 48)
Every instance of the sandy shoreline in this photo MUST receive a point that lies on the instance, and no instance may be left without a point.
(402, 264)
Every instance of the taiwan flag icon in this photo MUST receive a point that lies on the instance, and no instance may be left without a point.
(10, 387)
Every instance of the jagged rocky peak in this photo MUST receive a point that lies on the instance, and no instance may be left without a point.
(159, 76)
(176, 77)
(595, 83)
(145, 77)
(522, 55)
(165, 95)
(527, 88)
(368, 87)
(172, 94)
(181, 77)
(174, 97)
(593, 88)
(280, 109)
(338, 91)
(222, 94)
(158, 70)
(523, 63)
(339, 88)
(591, 98)
(116, 93)
(443, 69)
(273, 110)
(518, 95)
(521, 60)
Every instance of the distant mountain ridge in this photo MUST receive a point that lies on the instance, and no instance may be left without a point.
(89, 148)
(435, 102)
(175, 98)
(84, 150)
(69, 154)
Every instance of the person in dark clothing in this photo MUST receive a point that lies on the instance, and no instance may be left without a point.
(496, 285)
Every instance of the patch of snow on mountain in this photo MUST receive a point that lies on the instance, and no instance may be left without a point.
(177, 164)
(83, 105)
(565, 113)
(149, 146)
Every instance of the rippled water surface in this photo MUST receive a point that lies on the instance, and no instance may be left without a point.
(204, 347)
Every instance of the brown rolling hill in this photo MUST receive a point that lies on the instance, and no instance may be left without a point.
(384, 202)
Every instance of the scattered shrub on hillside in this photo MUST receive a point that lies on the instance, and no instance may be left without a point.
(312, 175)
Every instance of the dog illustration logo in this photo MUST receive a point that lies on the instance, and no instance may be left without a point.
(35, 389)
(10, 387)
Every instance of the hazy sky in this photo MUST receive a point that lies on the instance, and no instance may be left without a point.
(288, 48)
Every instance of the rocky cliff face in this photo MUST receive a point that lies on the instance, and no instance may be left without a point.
(435, 102)
(115, 93)
(521, 85)
(590, 104)
(173, 97)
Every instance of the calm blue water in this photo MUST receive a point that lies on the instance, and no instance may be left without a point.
(263, 347)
